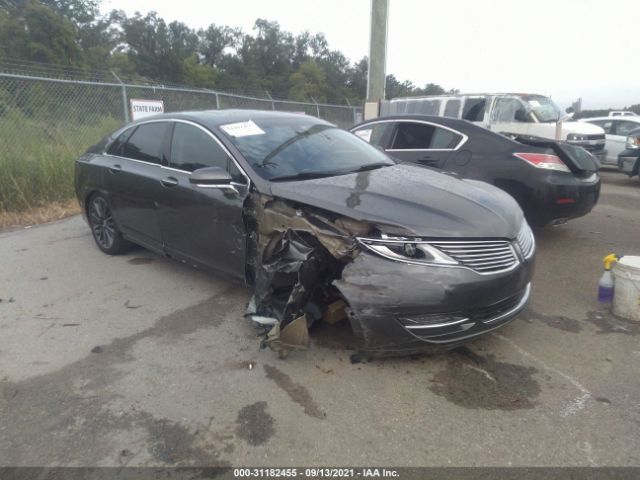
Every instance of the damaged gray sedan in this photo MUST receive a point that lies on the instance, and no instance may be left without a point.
(319, 222)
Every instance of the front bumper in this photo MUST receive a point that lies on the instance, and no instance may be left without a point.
(557, 198)
(629, 162)
(383, 293)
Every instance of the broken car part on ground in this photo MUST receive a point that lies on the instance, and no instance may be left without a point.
(320, 223)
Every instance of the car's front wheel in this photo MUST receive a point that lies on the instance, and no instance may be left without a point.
(103, 227)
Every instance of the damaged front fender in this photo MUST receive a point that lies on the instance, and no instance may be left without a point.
(296, 254)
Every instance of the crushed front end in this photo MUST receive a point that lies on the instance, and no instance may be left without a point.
(401, 294)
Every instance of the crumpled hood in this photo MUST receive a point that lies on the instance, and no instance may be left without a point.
(413, 199)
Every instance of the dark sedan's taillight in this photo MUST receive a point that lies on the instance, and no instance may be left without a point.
(543, 160)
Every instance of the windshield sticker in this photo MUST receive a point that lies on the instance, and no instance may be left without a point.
(242, 129)
(364, 134)
(534, 103)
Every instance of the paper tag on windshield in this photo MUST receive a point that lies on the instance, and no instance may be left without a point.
(364, 134)
(534, 103)
(242, 129)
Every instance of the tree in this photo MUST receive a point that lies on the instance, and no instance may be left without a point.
(33, 31)
(198, 74)
(76, 11)
(309, 81)
(215, 41)
(73, 33)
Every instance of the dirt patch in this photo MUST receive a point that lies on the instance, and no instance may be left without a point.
(609, 323)
(255, 425)
(33, 216)
(141, 260)
(173, 444)
(560, 322)
(298, 393)
(473, 381)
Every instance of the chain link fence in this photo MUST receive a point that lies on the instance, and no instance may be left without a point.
(46, 122)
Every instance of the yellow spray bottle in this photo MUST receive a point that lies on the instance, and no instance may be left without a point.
(605, 285)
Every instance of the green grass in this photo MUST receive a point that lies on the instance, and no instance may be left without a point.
(37, 158)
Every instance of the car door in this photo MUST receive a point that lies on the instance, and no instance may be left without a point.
(202, 225)
(616, 141)
(508, 115)
(133, 180)
(610, 144)
(423, 143)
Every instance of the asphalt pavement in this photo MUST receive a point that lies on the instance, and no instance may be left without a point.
(139, 360)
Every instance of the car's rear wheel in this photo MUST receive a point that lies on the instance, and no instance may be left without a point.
(103, 226)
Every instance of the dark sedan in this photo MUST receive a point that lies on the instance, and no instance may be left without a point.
(552, 181)
(321, 224)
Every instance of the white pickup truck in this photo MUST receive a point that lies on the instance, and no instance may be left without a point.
(526, 114)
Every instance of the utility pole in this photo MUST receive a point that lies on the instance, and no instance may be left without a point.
(377, 58)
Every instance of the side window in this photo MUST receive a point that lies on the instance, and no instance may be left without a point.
(607, 125)
(418, 136)
(412, 136)
(192, 148)
(444, 139)
(474, 109)
(372, 133)
(116, 147)
(505, 110)
(146, 143)
(452, 108)
(624, 128)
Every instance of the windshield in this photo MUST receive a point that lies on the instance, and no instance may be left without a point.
(285, 148)
(543, 108)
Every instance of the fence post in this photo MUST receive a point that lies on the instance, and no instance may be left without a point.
(353, 111)
(125, 105)
(217, 101)
(317, 106)
(273, 105)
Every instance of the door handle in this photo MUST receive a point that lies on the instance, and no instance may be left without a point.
(169, 182)
(115, 168)
(427, 159)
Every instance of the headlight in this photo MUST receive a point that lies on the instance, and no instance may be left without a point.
(526, 241)
(633, 141)
(407, 250)
(576, 137)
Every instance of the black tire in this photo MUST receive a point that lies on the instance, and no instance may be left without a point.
(103, 226)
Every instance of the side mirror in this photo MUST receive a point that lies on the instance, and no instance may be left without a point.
(210, 177)
(521, 115)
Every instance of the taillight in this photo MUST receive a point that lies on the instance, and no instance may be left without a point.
(543, 160)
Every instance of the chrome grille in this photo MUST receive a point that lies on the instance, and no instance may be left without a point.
(525, 240)
(484, 256)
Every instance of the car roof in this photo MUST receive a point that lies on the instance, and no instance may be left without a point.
(632, 118)
(473, 94)
(446, 121)
(214, 118)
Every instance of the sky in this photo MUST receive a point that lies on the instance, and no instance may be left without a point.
(565, 49)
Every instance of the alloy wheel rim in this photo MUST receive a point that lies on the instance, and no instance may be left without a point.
(102, 225)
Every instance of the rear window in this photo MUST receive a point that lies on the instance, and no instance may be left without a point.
(116, 147)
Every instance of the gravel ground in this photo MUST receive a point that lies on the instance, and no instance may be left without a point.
(138, 360)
